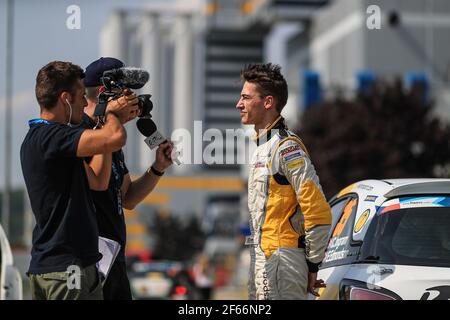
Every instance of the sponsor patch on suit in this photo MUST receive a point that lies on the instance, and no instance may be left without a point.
(289, 150)
(294, 164)
(292, 156)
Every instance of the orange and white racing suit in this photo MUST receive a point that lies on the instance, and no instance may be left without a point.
(289, 216)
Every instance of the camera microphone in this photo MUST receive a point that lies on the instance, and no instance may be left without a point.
(133, 78)
(154, 138)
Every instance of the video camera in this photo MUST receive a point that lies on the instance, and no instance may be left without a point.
(115, 81)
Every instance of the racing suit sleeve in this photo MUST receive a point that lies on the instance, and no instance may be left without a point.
(295, 164)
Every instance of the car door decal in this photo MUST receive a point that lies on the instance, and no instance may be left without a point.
(344, 219)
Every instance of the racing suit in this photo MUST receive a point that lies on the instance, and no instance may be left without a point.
(289, 216)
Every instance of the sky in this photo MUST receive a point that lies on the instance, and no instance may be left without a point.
(41, 36)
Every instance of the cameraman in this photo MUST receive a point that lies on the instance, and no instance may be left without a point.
(65, 238)
(121, 192)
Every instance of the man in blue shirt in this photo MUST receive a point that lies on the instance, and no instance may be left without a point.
(65, 238)
(121, 192)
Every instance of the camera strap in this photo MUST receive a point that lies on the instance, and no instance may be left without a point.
(100, 109)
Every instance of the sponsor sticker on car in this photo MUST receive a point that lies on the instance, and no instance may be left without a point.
(336, 249)
(362, 221)
(371, 198)
(414, 202)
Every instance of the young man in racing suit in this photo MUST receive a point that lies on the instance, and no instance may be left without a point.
(289, 215)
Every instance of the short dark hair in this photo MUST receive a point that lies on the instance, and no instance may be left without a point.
(54, 78)
(269, 81)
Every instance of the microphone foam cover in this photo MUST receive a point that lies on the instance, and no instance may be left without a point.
(146, 126)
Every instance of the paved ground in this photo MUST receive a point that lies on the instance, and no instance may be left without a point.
(230, 293)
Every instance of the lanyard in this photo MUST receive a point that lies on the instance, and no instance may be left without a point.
(35, 122)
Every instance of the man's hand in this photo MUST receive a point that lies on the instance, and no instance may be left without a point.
(126, 107)
(313, 283)
(135, 191)
(163, 156)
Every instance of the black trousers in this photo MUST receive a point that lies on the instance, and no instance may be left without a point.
(117, 285)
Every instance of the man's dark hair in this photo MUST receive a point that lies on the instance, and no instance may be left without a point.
(91, 93)
(54, 78)
(269, 81)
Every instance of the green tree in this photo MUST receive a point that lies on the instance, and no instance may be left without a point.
(387, 133)
(175, 240)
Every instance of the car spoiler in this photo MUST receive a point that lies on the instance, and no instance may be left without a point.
(432, 187)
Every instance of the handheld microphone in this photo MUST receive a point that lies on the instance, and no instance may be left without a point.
(154, 138)
(133, 78)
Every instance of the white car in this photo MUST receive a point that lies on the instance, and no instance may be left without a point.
(390, 240)
(10, 280)
(160, 280)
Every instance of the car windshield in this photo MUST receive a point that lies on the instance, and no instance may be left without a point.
(412, 236)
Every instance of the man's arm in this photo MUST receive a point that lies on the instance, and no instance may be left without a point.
(133, 192)
(105, 140)
(112, 136)
(98, 171)
(295, 164)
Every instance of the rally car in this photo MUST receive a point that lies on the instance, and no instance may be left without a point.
(10, 280)
(390, 240)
